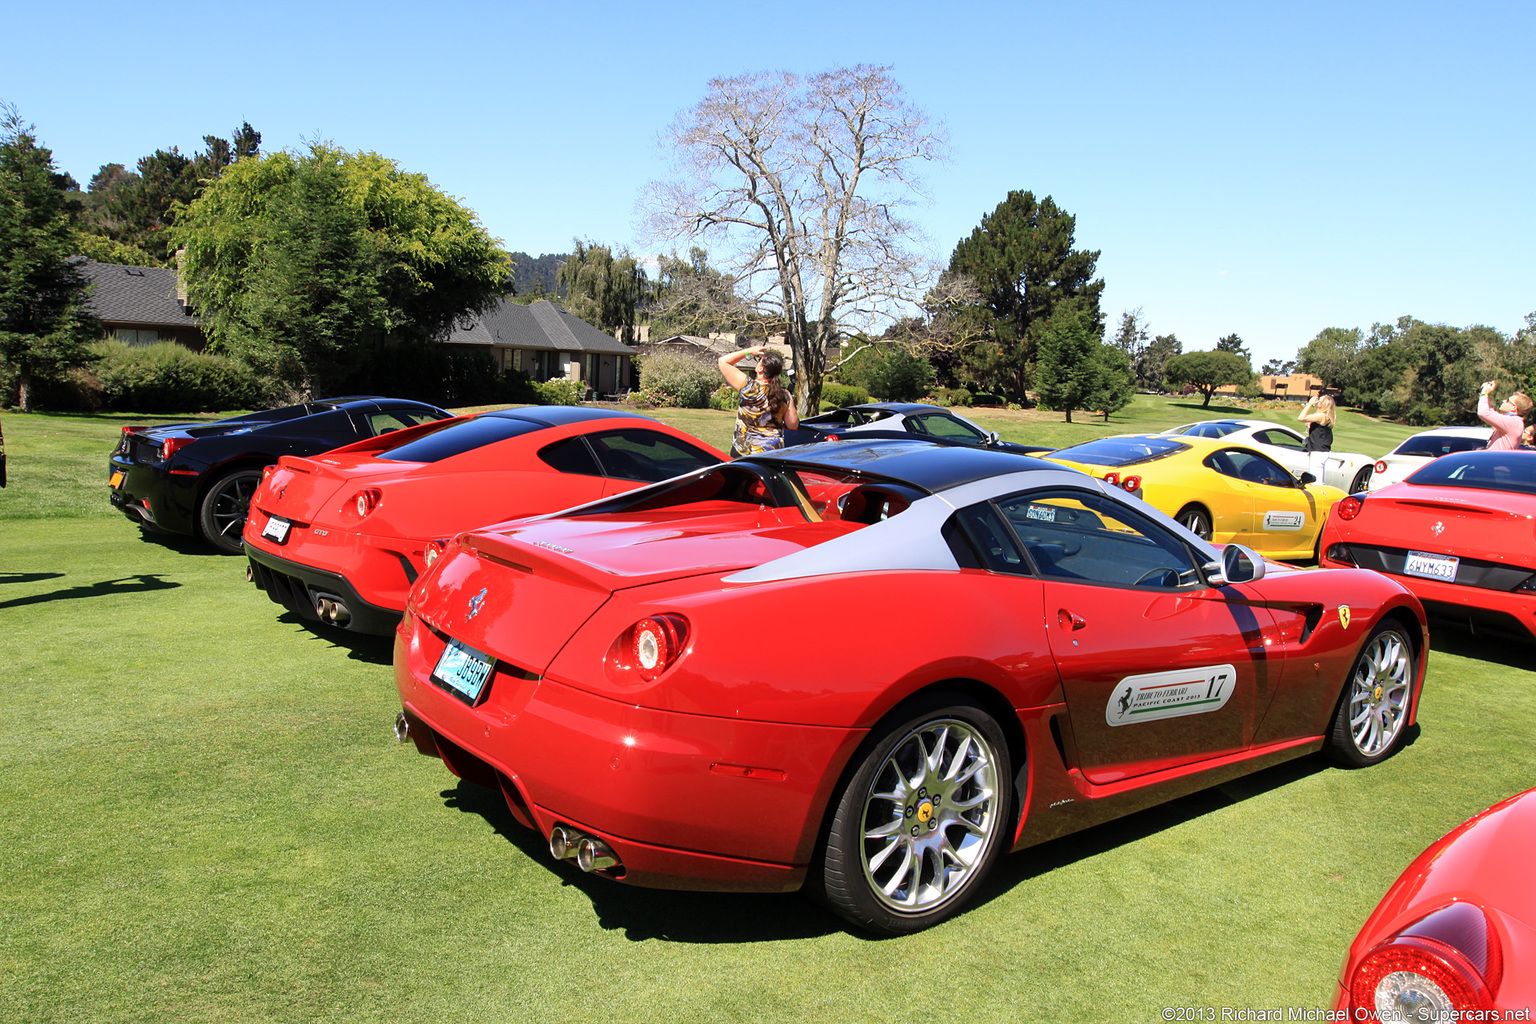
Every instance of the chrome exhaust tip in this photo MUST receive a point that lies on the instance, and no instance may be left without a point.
(250, 574)
(402, 727)
(562, 842)
(594, 855)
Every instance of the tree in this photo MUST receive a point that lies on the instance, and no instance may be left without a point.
(1333, 355)
(1063, 376)
(803, 180)
(44, 327)
(1278, 367)
(1149, 368)
(1207, 371)
(603, 289)
(692, 297)
(1131, 337)
(302, 262)
(1232, 343)
(1024, 264)
(1108, 383)
(889, 371)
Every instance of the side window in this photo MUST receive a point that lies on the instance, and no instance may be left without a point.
(1250, 466)
(385, 421)
(1077, 535)
(1280, 439)
(944, 426)
(570, 456)
(648, 455)
(991, 539)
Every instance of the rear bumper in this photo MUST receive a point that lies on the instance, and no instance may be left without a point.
(154, 498)
(1507, 614)
(686, 801)
(300, 587)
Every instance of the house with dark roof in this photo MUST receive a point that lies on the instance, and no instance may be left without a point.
(547, 343)
(141, 305)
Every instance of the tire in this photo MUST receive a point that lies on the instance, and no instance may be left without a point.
(1362, 479)
(1368, 724)
(1196, 520)
(221, 514)
(922, 819)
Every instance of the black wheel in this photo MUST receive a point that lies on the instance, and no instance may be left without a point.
(1196, 520)
(922, 819)
(224, 507)
(1373, 707)
(1362, 479)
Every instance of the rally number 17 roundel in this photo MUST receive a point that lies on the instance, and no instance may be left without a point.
(1158, 695)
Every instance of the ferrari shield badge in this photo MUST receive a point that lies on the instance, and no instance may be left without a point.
(1344, 615)
(474, 604)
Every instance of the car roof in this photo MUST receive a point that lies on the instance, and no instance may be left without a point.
(1457, 431)
(918, 461)
(564, 415)
(902, 407)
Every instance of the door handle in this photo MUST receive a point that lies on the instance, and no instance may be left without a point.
(1066, 620)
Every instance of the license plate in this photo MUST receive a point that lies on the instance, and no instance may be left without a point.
(276, 529)
(1431, 567)
(463, 671)
(117, 480)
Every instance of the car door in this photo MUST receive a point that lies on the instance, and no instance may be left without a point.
(635, 455)
(1159, 669)
(1286, 516)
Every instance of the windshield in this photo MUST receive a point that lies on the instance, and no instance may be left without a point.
(1512, 471)
(1210, 428)
(1121, 451)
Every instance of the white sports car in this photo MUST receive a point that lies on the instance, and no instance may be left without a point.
(1423, 447)
(1350, 472)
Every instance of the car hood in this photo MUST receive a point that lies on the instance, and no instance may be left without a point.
(1473, 520)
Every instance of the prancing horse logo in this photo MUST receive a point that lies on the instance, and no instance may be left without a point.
(474, 604)
(1437, 529)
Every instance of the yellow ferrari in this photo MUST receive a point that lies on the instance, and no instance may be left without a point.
(1221, 491)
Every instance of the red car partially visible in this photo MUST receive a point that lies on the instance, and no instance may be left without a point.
(340, 537)
(1455, 936)
(1460, 533)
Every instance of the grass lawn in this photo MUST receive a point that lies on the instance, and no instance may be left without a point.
(205, 817)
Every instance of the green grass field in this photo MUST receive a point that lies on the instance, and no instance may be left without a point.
(205, 817)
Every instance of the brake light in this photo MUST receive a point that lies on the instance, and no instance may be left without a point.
(132, 430)
(652, 645)
(1113, 479)
(366, 500)
(1381, 466)
(1449, 963)
(1349, 507)
(1131, 483)
(171, 445)
(433, 552)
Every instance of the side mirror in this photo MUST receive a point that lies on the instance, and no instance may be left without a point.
(1240, 565)
(1308, 478)
(992, 437)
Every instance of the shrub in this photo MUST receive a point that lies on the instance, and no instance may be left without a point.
(982, 398)
(835, 396)
(724, 398)
(561, 391)
(890, 372)
(167, 377)
(950, 396)
(677, 379)
(430, 372)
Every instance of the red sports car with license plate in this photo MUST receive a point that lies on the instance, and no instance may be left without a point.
(1455, 936)
(1460, 533)
(1018, 651)
(341, 537)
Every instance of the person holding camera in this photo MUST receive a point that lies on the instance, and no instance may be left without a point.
(1509, 422)
(1319, 414)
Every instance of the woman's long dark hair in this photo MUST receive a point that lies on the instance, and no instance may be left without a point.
(772, 365)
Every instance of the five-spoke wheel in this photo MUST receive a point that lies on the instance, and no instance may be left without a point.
(224, 507)
(1196, 520)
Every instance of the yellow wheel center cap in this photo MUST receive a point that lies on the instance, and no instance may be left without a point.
(924, 812)
(1376, 695)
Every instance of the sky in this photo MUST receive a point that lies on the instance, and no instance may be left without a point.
(1265, 169)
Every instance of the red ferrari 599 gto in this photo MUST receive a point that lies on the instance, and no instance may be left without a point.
(1019, 651)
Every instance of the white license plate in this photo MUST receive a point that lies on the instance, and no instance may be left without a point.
(276, 529)
(1431, 567)
(463, 670)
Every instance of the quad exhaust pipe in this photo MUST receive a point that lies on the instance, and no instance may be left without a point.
(332, 609)
(589, 853)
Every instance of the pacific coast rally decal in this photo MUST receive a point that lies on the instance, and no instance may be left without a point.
(1284, 520)
(1159, 695)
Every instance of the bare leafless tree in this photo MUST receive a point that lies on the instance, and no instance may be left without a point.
(802, 179)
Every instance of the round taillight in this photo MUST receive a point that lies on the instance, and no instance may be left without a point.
(655, 643)
(1349, 507)
(1415, 978)
(1381, 466)
(433, 552)
(1131, 483)
(1113, 479)
(366, 500)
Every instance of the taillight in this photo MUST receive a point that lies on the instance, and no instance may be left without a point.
(651, 645)
(433, 552)
(1131, 483)
(1341, 553)
(1113, 479)
(366, 500)
(171, 445)
(1349, 507)
(1436, 969)
(1381, 466)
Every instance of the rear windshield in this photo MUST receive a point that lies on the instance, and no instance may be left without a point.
(1211, 428)
(1121, 451)
(460, 438)
(1513, 471)
(1436, 445)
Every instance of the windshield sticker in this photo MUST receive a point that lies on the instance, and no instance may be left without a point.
(1044, 513)
(1159, 695)
(1284, 520)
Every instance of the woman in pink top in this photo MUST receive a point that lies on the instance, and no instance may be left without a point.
(1509, 422)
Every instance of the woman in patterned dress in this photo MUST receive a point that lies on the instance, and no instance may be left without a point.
(766, 409)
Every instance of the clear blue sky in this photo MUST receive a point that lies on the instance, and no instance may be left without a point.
(1268, 169)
